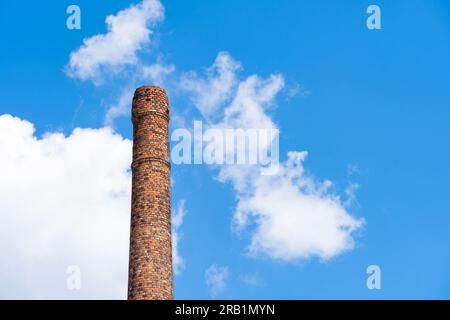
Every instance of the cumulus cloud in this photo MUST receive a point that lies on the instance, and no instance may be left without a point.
(111, 53)
(297, 217)
(177, 220)
(64, 201)
(127, 32)
(216, 279)
(294, 216)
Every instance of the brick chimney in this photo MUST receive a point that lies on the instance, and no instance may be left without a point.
(150, 267)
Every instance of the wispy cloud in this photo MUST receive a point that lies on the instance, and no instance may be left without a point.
(252, 280)
(177, 220)
(122, 106)
(352, 169)
(297, 90)
(209, 93)
(350, 192)
(216, 279)
(157, 73)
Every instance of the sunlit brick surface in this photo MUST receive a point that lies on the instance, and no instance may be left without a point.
(150, 269)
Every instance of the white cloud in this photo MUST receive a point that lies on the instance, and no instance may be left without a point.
(216, 277)
(128, 32)
(64, 200)
(157, 73)
(208, 94)
(108, 54)
(177, 220)
(295, 217)
(252, 97)
(247, 110)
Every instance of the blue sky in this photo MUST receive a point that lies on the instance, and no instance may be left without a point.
(371, 108)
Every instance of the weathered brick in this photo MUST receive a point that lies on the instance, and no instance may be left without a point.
(150, 267)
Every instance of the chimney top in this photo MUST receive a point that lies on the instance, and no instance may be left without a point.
(143, 90)
(150, 99)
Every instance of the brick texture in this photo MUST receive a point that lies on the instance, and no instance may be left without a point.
(150, 266)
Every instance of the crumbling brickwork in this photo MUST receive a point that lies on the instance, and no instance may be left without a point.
(150, 267)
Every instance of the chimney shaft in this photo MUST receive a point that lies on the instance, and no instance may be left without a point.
(150, 267)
